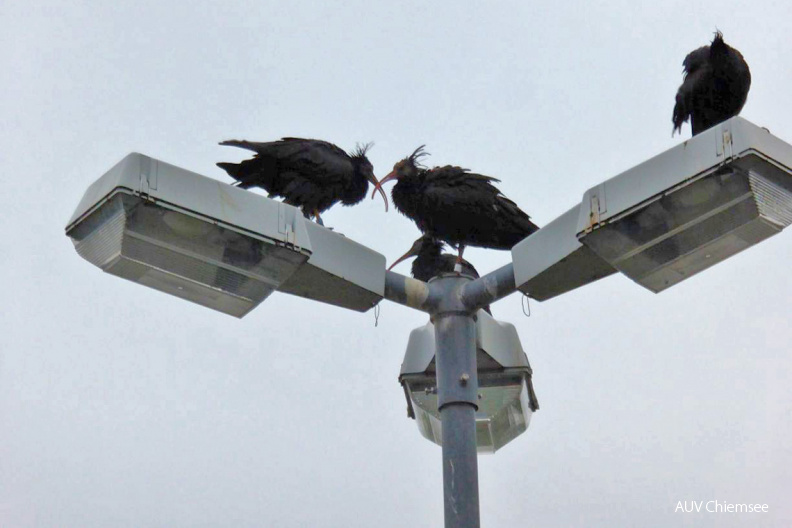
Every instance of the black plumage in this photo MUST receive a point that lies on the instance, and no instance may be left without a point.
(457, 206)
(715, 86)
(307, 173)
(430, 261)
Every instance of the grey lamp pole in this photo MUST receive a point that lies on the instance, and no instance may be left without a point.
(451, 300)
(457, 394)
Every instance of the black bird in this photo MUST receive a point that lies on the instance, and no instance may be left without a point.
(308, 173)
(430, 261)
(715, 86)
(457, 206)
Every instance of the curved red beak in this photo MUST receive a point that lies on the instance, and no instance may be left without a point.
(403, 257)
(378, 187)
(412, 252)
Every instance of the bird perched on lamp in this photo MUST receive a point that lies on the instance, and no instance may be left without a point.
(307, 173)
(456, 206)
(715, 86)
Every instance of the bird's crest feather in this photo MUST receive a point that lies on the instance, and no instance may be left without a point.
(417, 155)
(361, 149)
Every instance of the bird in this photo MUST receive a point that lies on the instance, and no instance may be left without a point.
(457, 206)
(430, 261)
(715, 86)
(308, 173)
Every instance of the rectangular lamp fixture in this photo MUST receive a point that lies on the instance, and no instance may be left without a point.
(692, 206)
(187, 235)
(214, 244)
(506, 399)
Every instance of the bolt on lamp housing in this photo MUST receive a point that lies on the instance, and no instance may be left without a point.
(213, 244)
(692, 206)
(552, 261)
(506, 396)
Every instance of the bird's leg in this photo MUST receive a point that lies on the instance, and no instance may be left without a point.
(318, 218)
(458, 264)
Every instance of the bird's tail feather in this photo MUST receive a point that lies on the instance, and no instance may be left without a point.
(233, 170)
(241, 143)
(681, 113)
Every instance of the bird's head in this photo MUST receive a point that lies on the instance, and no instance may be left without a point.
(718, 46)
(424, 243)
(406, 168)
(366, 169)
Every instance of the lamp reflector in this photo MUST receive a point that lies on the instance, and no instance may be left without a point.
(505, 388)
(689, 230)
(183, 255)
(504, 411)
(692, 206)
(188, 235)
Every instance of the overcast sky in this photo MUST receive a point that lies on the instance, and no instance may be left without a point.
(123, 406)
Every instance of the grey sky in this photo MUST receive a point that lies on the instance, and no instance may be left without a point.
(121, 406)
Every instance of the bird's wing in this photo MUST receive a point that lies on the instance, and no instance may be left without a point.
(449, 185)
(696, 59)
(518, 215)
(455, 188)
(319, 161)
(697, 70)
(450, 177)
(311, 147)
(311, 158)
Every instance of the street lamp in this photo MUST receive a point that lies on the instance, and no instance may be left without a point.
(668, 218)
(659, 223)
(692, 206)
(506, 399)
(216, 245)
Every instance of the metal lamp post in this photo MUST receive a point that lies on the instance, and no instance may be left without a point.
(452, 301)
(506, 398)
(659, 223)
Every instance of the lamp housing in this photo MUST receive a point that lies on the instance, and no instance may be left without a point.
(214, 244)
(695, 205)
(506, 396)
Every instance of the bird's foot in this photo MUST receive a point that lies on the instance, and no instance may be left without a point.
(319, 221)
(458, 263)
